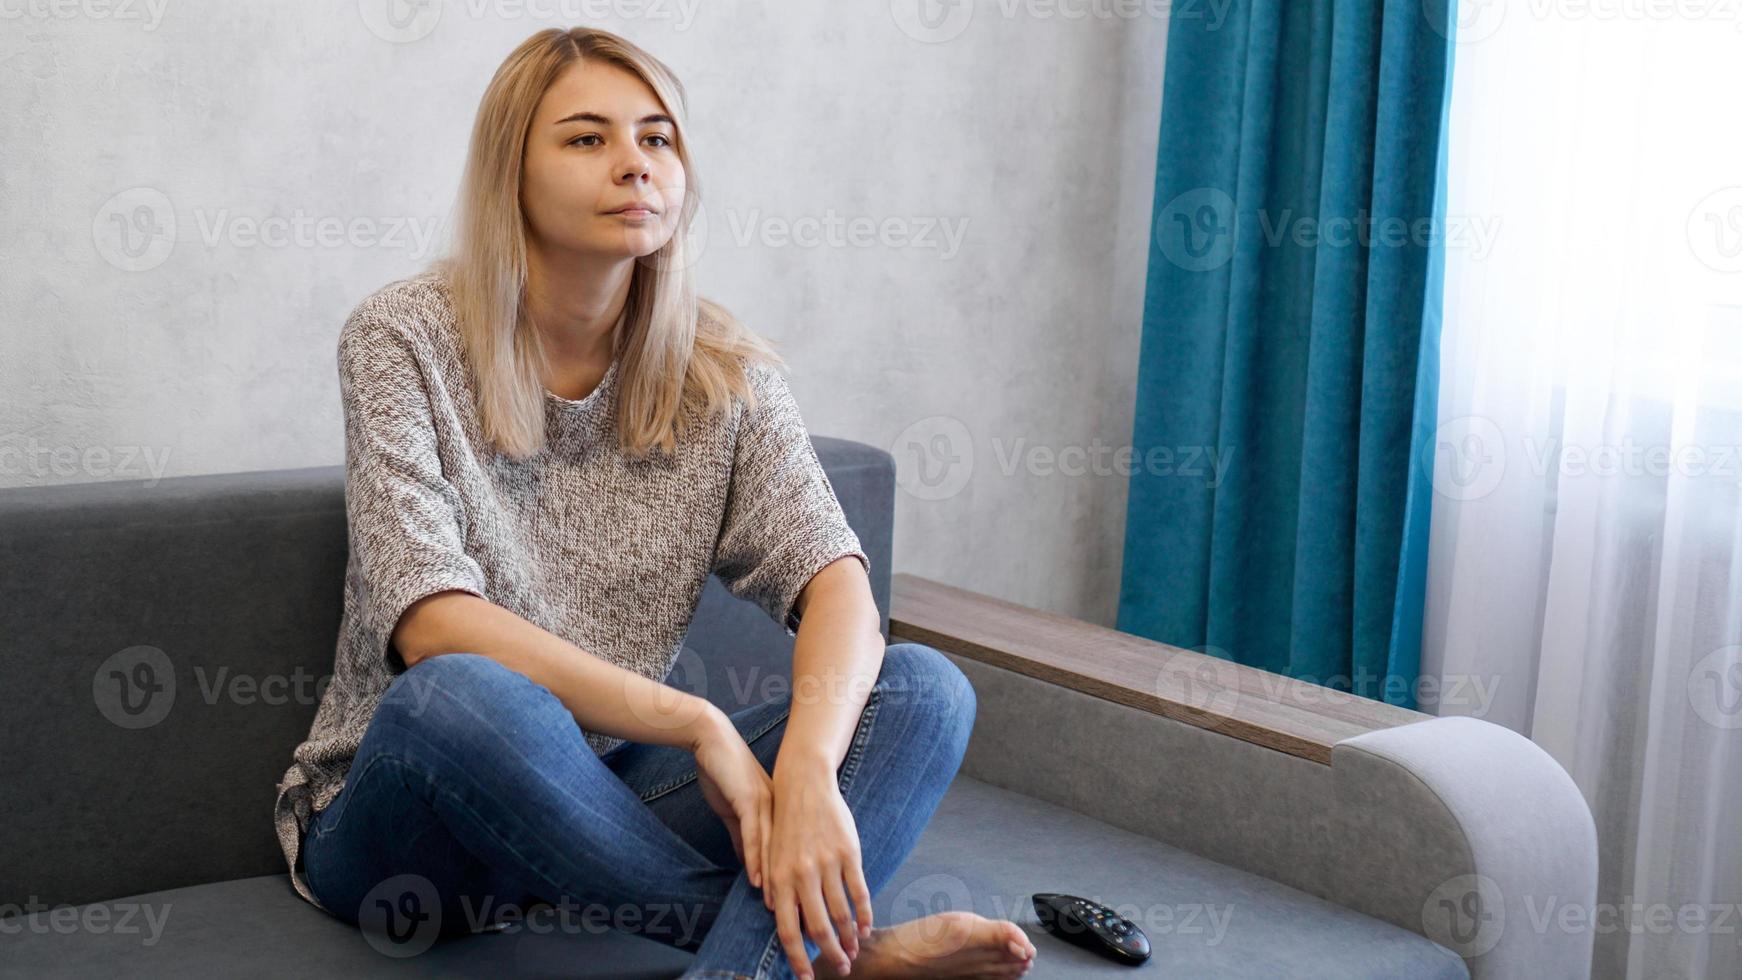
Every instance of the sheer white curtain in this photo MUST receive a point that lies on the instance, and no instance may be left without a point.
(1584, 584)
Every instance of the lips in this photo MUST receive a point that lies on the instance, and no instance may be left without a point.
(637, 206)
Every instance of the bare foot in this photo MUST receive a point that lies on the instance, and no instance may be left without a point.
(946, 945)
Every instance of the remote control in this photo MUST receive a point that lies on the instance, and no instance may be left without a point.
(1094, 927)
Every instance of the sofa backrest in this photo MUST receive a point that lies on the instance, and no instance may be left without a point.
(162, 649)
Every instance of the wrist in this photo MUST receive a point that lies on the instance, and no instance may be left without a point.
(804, 763)
(709, 723)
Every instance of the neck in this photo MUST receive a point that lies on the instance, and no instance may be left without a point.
(574, 300)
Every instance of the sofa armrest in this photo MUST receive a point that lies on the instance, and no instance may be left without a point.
(1493, 823)
(1453, 828)
(1246, 703)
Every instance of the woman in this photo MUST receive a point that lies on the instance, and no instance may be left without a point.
(550, 445)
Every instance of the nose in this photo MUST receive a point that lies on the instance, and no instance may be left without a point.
(635, 168)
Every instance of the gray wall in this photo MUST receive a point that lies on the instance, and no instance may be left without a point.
(196, 193)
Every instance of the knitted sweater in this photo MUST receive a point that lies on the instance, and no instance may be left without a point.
(605, 550)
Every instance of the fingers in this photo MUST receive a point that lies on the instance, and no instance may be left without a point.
(841, 913)
(750, 855)
(791, 940)
(861, 896)
(818, 925)
(767, 837)
(737, 834)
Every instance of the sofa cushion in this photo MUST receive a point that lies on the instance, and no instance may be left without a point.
(990, 849)
(986, 849)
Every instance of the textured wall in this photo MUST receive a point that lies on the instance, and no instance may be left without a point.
(194, 194)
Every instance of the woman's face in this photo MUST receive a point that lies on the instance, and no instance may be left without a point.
(601, 142)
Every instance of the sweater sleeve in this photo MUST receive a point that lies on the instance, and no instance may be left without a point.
(783, 523)
(404, 517)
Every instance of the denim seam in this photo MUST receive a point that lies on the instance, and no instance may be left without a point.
(352, 776)
(678, 783)
(848, 769)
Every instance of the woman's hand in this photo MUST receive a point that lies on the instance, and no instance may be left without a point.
(738, 790)
(814, 866)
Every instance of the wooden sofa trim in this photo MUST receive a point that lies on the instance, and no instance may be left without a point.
(1246, 703)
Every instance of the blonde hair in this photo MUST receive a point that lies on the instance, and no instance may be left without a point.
(681, 357)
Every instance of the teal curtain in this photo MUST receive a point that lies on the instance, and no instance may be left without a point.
(1287, 378)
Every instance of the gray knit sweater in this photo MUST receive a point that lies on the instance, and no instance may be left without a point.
(604, 550)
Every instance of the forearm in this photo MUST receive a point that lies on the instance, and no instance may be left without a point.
(836, 659)
(602, 696)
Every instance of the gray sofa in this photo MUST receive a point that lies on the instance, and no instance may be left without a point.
(137, 802)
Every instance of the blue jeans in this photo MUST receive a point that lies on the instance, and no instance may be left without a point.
(474, 802)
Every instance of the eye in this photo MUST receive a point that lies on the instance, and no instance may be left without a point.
(664, 141)
(583, 136)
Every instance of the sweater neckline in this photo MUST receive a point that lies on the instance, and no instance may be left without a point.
(593, 398)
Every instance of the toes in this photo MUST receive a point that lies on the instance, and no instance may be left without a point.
(1013, 933)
